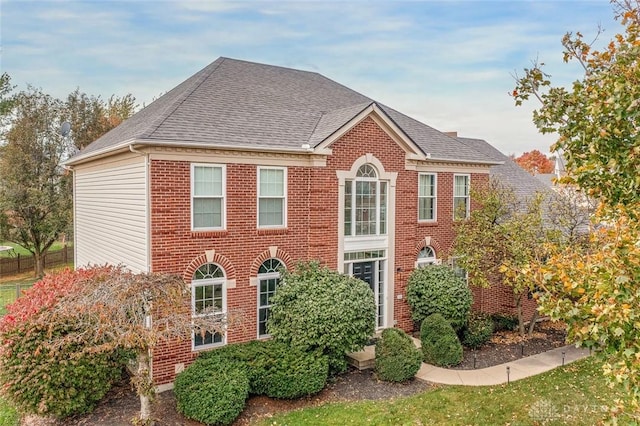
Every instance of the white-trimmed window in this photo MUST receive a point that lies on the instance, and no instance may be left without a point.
(427, 256)
(207, 197)
(457, 269)
(272, 197)
(268, 280)
(365, 203)
(427, 197)
(208, 297)
(461, 199)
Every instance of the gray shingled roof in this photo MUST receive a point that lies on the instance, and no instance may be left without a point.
(510, 173)
(234, 103)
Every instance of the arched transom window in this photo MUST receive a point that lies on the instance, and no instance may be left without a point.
(427, 256)
(208, 297)
(268, 280)
(365, 201)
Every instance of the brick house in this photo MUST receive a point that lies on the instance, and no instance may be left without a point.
(245, 167)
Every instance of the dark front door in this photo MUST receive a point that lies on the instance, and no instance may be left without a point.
(364, 271)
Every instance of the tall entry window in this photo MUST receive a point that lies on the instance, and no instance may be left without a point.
(208, 297)
(365, 201)
(268, 280)
(370, 266)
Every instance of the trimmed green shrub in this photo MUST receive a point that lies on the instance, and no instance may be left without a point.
(440, 343)
(438, 290)
(275, 369)
(212, 391)
(284, 372)
(397, 358)
(477, 332)
(317, 309)
(504, 322)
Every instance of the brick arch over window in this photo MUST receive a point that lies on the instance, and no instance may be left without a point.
(211, 257)
(271, 252)
(428, 242)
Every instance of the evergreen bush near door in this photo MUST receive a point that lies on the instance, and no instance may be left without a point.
(212, 392)
(317, 309)
(440, 343)
(438, 290)
(397, 358)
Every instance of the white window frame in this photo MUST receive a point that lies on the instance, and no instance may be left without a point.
(378, 184)
(267, 276)
(206, 282)
(467, 196)
(434, 197)
(284, 198)
(223, 197)
(425, 261)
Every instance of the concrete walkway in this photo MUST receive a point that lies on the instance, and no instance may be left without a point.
(518, 369)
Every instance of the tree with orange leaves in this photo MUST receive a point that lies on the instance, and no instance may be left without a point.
(535, 162)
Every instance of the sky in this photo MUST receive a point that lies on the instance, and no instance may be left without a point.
(449, 64)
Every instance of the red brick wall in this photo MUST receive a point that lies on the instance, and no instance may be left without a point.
(311, 233)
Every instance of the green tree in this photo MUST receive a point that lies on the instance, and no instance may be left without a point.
(91, 117)
(597, 118)
(501, 236)
(315, 308)
(35, 190)
(596, 288)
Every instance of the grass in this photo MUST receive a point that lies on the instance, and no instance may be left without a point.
(576, 394)
(8, 415)
(17, 249)
(22, 281)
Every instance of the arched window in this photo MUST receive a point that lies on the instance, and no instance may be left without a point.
(365, 201)
(268, 280)
(208, 297)
(427, 256)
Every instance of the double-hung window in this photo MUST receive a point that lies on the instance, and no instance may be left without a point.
(426, 197)
(272, 197)
(208, 299)
(268, 280)
(207, 197)
(461, 200)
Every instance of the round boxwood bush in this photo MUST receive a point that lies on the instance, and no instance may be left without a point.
(285, 372)
(275, 369)
(317, 309)
(477, 331)
(397, 358)
(440, 343)
(212, 391)
(438, 290)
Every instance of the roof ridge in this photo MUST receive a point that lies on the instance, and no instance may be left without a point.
(172, 107)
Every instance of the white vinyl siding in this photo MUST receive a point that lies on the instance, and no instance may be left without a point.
(111, 214)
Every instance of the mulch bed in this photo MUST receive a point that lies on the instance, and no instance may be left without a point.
(121, 404)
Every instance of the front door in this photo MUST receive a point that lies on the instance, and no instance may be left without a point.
(372, 272)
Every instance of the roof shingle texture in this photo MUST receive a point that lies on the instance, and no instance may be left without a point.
(234, 103)
(524, 184)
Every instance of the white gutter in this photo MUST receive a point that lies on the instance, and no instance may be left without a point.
(147, 205)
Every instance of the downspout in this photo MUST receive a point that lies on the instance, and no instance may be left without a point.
(147, 205)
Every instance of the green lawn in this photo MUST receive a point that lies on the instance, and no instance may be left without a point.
(571, 395)
(8, 416)
(24, 252)
(10, 289)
